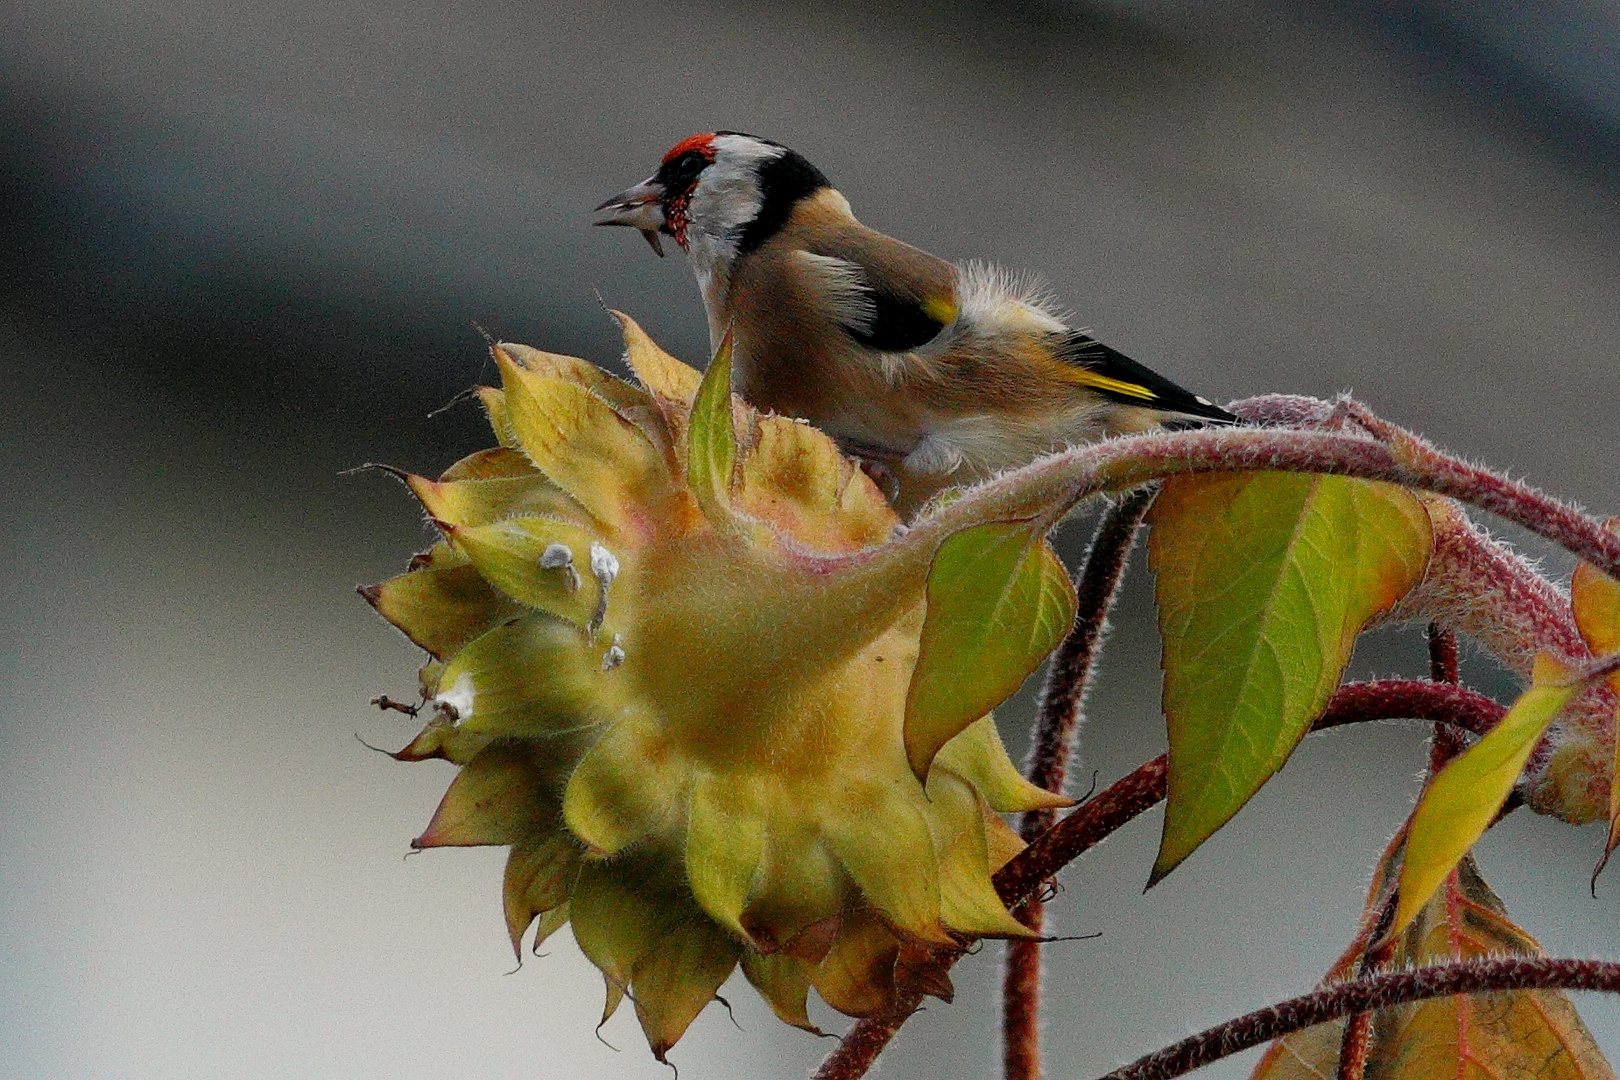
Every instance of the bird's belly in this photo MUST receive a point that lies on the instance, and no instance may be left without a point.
(973, 447)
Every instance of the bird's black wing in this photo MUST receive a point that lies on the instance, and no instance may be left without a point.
(901, 298)
(1119, 378)
(895, 324)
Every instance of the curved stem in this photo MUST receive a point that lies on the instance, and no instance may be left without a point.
(857, 1050)
(1365, 995)
(1054, 484)
(1057, 721)
(1058, 716)
(1139, 791)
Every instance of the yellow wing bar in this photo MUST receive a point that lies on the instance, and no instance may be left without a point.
(1086, 377)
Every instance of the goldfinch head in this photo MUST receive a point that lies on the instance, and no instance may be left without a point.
(720, 195)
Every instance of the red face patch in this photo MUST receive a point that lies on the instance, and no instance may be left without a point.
(702, 143)
(678, 175)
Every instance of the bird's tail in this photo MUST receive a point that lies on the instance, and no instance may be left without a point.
(1117, 377)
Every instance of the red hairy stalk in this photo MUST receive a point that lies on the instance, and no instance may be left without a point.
(1051, 486)
(1410, 699)
(1366, 995)
(1056, 724)
(1357, 1040)
(1442, 655)
(1021, 1001)
(1125, 799)
(857, 1051)
(1447, 742)
(1353, 1047)
(1067, 677)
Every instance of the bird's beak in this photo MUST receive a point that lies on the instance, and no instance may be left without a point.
(640, 207)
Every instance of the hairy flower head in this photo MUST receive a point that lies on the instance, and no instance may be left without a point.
(675, 648)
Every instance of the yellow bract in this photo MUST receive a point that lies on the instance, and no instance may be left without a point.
(1462, 799)
(672, 647)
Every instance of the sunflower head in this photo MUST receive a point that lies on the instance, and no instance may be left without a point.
(672, 645)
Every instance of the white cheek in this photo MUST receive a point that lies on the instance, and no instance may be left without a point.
(713, 283)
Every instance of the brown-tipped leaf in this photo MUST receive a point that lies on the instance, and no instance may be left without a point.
(1264, 580)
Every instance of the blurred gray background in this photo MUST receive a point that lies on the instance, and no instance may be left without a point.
(244, 246)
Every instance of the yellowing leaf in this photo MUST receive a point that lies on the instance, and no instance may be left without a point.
(711, 454)
(659, 372)
(531, 677)
(678, 977)
(618, 919)
(628, 400)
(725, 840)
(606, 463)
(1466, 1037)
(1263, 582)
(978, 756)
(479, 501)
(998, 602)
(968, 902)
(784, 981)
(442, 604)
(500, 423)
(496, 463)
(497, 798)
(1460, 802)
(614, 797)
(891, 870)
(510, 555)
(1595, 598)
(540, 872)
(795, 478)
(856, 977)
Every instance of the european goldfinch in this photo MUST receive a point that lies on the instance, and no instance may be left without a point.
(936, 374)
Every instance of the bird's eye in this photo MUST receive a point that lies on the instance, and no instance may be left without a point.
(684, 169)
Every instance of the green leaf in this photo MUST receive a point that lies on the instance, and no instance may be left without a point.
(711, 458)
(998, 602)
(979, 757)
(1263, 582)
(1594, 597)
(604, 462)
(894, 865)
(532, 677)
(1458, 804)
(540, 873)
(619, 915)
(784, 982)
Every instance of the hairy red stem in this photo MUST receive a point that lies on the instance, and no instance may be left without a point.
(1366, 995)
(1057, 721)
(1050, 486)
(1446, 742)
(1068, 676)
